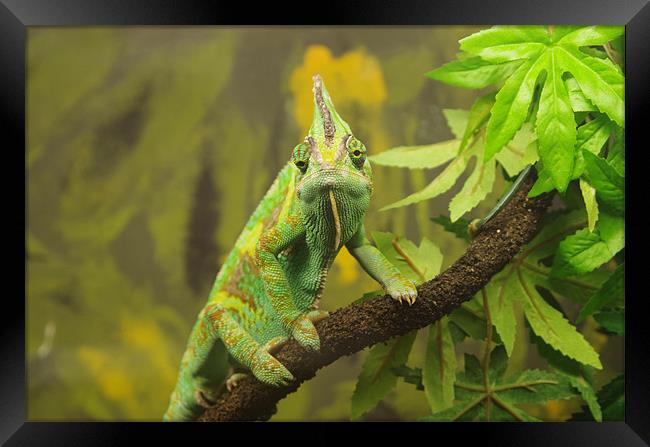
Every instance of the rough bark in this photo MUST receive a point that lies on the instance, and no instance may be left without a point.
(357, 326)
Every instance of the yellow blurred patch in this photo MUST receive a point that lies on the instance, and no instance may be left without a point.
(147, 336)
(112, 380)
(346, 266)
(557, 410)
(355, 77)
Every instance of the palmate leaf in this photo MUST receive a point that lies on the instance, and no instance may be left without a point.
(499, 397)
(519, 281)
(554, 51)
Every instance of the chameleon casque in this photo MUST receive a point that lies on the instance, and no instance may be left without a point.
(268, 289)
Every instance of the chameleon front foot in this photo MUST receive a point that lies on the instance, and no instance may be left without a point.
(402, 289)
(269, 370)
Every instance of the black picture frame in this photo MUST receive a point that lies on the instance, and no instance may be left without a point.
(17, 15)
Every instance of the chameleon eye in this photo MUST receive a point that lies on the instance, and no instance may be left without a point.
(301, 156)
(357, 151)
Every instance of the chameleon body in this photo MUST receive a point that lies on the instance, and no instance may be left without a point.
(268, 289)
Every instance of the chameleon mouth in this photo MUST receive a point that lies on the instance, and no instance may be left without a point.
(330, 181)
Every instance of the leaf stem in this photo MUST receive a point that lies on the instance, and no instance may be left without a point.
(469, 407)
(507, 408)
(525, 385)
(407, 258)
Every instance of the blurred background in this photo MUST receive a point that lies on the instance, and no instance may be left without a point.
(148, 148)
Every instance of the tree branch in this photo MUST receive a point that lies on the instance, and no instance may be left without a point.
(357, 326)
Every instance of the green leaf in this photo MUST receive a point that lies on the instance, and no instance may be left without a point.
(458, 228)
(591, 137)
(609, 184)
(457, 120)
(445, 180)
(498, 363)
(417, 263)
(520, 152)
(552, 327)
(611, 292)
(599, 80)
(511, 106)
(377, 378)
(592, 35)
(580, 253)
(535, 387)
(478, 115)
(612, 320)
(584, 251)
(439, 372)
(469, 322)
(418, 157)
(573, 371)
(555, 126)
(616, 154)
(612, 232)
(543, 184)
(612, 399)
(578, 100)
(589, 197)
(501, 298)
(476, 188)
(473, 72)
(500, 42)
(588, 395)
(410, 375)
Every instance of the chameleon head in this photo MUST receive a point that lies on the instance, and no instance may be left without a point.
(331, 162)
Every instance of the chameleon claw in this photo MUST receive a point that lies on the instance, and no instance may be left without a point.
(233, 381)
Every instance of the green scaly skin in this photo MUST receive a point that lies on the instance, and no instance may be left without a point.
(268, 289)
